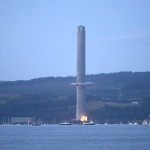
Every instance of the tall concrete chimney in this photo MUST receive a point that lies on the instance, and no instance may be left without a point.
(81, 96)
(80, 79)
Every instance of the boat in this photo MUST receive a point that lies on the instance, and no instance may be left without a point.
(135, 123)
(145, 122)
(4, 125)
(65, 123)
(36, 124)
(105, 123)
(130, 123)
(88, 123)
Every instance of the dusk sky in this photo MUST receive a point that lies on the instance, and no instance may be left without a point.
(38, 37)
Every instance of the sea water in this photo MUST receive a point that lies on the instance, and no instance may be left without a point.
(75, 137)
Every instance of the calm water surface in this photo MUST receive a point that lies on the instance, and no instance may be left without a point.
(75, 137)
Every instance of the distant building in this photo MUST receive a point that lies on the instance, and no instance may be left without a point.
(136, 103)
(22, 120)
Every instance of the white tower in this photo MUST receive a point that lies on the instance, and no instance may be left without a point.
(80, 84)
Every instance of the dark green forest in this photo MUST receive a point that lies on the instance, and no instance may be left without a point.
(52, 99)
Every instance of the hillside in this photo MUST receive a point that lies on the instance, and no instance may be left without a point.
(53, 98)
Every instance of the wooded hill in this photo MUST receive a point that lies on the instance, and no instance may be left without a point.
(53, 99)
